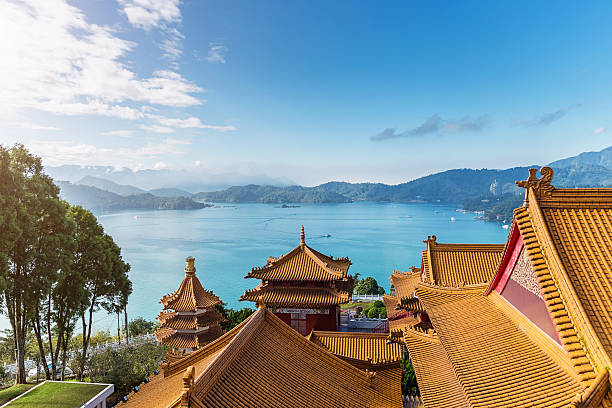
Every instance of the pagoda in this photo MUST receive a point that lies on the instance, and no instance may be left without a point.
(304, 288)
(189, 319)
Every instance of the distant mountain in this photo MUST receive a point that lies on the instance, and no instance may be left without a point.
(190, 180)
(452, 186)
(170, 192)
(107, 185)
(94, 198)
(602, 158)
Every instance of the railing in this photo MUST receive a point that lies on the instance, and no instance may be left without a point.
(357, 297)
(383, 327)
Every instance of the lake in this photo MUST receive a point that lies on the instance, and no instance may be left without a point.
(227, 241)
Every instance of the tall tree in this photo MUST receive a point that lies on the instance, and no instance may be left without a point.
(98, 260)
(29, 253)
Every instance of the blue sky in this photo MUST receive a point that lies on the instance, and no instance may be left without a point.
(312, 91)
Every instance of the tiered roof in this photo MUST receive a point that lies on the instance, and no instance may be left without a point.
(496, 354)
(460, 264)
(295, 296)
(263, 362)
(322, 281)
(189, 319)
(371, 348)
(303, 264)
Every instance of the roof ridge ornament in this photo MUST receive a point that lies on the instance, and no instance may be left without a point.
(540, 186)
(431, 239)
(190, 266)
(302, 237)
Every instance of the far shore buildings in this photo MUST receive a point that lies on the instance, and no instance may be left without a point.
(304, 288)
(189, 319)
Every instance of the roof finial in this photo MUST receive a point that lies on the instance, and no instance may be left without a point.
(302, 237)
(541, 186)
(190, 265)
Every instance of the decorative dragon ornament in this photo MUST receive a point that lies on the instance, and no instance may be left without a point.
(540, 186)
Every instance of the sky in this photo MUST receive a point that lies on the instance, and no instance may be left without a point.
(312, 91)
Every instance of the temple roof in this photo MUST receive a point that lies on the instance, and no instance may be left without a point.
(295, 296)
(438, 384)
(190, 296)
(302, 264)
(494, 359)
(264, 361)
(186, 340)
(190, 321)
(577, 240)
(455, 265)
(372, 348)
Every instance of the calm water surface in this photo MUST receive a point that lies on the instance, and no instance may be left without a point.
(229, 240)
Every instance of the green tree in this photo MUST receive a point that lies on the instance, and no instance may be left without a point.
(30, 252)
(376, 309)
(140, 326)
(409, 380)
(369, 286)
(233, 317)
(98, 259)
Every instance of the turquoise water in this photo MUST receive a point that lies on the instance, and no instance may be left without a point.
(229, 240)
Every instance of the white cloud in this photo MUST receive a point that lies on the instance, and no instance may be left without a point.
(157, 129)
(53, 60)
(120, 133)
(197, 163)
(55, 153)
(217, 53)
(599, 130)
(160, 165)
(29, 125)
(147, 14)
(189, 122)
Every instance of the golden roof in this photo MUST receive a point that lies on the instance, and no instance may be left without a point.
(302, 264)
(295, 296)
(265, 362)
(455, 265)
(405, 283)
(177, 320)
(190, 296)
(573, 228)
(371, 348)
(495, 361)
(438, 384)
(186, 340)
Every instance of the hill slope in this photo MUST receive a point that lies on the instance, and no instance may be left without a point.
(94, 198)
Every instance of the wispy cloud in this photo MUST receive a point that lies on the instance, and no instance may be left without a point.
(599, 130)
(157, 129)
(546, 118)
(217, 53)
(30, 126)
(189, 122)
(435, 124)
(57, 152)
(120, 133)
(148, 14)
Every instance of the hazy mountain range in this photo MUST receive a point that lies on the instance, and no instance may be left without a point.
(459, 186)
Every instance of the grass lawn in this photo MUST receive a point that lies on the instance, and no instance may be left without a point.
(9, 393)
(355, 305)
(58, 395)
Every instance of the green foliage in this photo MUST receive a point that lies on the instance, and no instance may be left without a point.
(9, 393)
(376, 309)
(409, 381)
(496, 208)
(140, 326)
(58, 395)
(125, 367)
(233, 317)
(369, 286)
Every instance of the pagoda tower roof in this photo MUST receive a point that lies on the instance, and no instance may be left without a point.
(303, 264)
(295, 296)
(190, 295)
